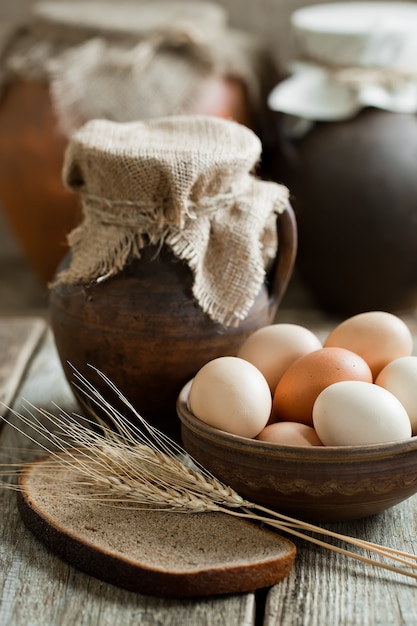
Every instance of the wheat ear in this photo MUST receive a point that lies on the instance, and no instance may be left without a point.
(130, 461)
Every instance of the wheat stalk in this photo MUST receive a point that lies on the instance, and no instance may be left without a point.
(131, 461)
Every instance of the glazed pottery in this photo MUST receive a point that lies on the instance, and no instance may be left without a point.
(354, 192)
(347, 119)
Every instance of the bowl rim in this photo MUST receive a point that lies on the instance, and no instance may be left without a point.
(316, 454)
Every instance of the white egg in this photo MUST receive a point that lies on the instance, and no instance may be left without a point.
(400, 378)
(231, 394)
(353, 412)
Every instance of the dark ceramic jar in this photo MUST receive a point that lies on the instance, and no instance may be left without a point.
(348, 130)
(143, 325)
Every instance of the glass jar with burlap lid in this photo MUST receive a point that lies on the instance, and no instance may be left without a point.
(181, 254)
(124, 62)
(348, 126)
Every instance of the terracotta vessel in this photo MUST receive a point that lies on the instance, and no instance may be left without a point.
(38, 208)
(145, 331)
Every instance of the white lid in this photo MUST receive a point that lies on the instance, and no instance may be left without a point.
(377, 40)
(357, 33)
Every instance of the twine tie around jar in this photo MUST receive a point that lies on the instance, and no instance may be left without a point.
(357, 77)
(185, 182)
(146, 215)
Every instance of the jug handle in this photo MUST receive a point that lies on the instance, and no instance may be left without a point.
(285, 260)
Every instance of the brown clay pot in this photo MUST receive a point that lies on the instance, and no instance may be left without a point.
(354, 193)
(315, 483)
(146, 332)
(38, 208)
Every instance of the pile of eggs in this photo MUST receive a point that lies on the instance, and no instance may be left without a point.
(285, 386)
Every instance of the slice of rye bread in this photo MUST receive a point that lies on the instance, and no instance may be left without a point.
(158, 553)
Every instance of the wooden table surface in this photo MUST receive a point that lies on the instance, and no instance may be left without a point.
(37, 588)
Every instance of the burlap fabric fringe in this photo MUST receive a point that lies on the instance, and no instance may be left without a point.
(184, 182)
(127, 76)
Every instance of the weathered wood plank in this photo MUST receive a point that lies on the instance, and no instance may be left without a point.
(326, 589)
(19, 338)
(37, 588)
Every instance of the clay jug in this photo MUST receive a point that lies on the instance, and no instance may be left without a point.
(348, 128)
(147, 325)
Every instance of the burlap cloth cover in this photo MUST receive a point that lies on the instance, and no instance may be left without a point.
(182, 181)
(133, 61)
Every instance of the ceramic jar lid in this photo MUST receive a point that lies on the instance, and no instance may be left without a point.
(349, 56)
(357, 33)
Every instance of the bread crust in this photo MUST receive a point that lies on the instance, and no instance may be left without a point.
(157, 553)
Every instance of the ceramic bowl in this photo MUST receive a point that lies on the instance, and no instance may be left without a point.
(334, 483)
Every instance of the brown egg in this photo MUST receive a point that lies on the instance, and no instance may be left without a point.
(300, 385)
(377, 336)
(290, 434)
